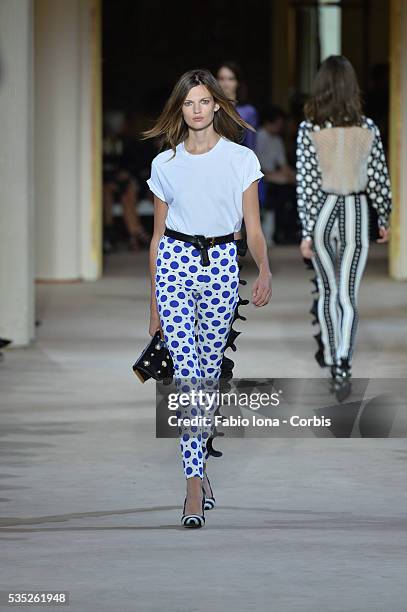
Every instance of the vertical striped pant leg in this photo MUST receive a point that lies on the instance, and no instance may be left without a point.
(336, 245)
(354, 228)
(324, 265)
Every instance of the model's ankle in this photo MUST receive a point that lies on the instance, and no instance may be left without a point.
(194, 485)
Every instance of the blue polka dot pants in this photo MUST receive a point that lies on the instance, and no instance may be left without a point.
(196, 305)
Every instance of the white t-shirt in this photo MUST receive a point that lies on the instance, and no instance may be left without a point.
(204, 192)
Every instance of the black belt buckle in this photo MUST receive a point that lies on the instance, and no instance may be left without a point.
(201, 243)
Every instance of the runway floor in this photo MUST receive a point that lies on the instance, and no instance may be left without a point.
(91, 501)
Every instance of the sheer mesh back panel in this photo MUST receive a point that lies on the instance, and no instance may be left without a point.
(342, 155)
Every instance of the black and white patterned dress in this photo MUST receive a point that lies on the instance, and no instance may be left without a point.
(338, 170)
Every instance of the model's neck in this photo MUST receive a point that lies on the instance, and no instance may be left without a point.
(201, 141)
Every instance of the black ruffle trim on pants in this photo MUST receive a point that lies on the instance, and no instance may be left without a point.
(227, 366)
(319, 355)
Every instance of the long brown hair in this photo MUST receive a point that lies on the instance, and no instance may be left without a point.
(335, 94)
(171, 128)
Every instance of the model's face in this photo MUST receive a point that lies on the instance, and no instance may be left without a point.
(228, 81)
(199, 108)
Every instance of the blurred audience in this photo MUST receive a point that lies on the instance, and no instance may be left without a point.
(279, 218)
(120, 185)
(230, 78)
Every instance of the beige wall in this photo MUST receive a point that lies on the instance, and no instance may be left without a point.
(16, 173)
(67, 139)
(398, 138)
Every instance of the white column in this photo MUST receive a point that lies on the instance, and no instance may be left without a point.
(16, 176)
(67, 117)
(90, 125)
(398, 138)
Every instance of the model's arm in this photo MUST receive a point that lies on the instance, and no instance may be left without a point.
(256, 243)
(308, 188)
(160, 215)
(378, 185)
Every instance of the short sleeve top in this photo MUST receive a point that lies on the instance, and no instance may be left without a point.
(204, 192)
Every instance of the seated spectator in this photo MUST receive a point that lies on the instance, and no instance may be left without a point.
(279, 177)
(120, 185)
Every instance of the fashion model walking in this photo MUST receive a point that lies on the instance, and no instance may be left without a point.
(340, 166)
(204, 185)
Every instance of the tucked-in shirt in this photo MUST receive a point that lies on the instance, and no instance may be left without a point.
(204, 192)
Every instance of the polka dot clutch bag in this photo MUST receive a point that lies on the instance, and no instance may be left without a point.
(155, 361)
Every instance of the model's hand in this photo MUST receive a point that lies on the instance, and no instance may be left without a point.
(384, 235)
(155, 324)
(306, 248)
(262, 289)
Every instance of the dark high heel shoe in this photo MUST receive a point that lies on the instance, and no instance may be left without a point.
(346, 369)
(341, 384)
(194, 520)
(210, 501)
(341, 371)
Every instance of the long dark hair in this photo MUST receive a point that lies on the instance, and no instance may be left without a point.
(171, 128)
(335, 94)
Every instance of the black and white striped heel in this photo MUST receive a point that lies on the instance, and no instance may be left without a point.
(210, 502)
(194, 520)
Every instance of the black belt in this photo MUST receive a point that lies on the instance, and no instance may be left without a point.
(200, 241)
